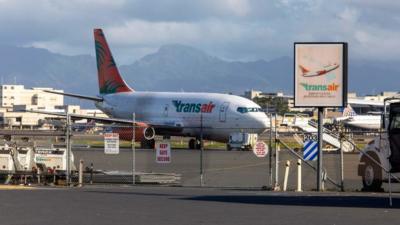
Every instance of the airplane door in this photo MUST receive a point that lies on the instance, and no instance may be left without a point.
(222, 111)
(166, 110)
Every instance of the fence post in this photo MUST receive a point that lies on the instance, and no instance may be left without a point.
(91, 173)
(68, 153)
(80, 183)
(201, 151)
(133, 149)
(341, 162)
(277, 149)
(270, 151)
(390, 189)
(324, 175)
(286, 175)
(299, 189)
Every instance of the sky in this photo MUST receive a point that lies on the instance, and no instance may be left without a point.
(242, 30)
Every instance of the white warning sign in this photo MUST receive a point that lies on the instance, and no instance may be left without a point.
(260, 149)
(111, 143)
(163, 152)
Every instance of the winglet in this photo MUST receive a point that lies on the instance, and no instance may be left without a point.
(110, 81)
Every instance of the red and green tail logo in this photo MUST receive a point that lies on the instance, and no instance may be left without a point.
(110, 81)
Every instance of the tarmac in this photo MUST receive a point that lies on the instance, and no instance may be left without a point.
(151, 205)
(233, 193)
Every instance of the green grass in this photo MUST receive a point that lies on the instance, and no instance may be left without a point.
(177, 144)
(127, 144)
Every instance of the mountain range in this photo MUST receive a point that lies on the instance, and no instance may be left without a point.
(179, 68)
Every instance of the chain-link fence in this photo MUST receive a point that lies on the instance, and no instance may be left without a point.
(98, 156)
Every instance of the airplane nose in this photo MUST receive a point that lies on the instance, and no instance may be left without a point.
(261, 123)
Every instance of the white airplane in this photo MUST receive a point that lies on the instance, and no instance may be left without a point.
(350, 118)
(326, 69)
(216, 116)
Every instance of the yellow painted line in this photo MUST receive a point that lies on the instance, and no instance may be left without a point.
(15, 187)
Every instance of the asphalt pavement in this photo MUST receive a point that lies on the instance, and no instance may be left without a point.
(151, 205)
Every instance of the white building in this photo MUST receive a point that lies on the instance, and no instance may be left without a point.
(15, 100)
(11, 95)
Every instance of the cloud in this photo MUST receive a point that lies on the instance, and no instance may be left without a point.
(237, 7)
(232, 29)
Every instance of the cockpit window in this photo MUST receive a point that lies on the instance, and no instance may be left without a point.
(248, 109)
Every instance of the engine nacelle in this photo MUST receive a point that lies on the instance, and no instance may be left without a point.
(149, 133)
(142, 132)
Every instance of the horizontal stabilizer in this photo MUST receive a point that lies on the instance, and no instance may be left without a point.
(91, 98)
(78, 116)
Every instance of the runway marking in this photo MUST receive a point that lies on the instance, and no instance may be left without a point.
(15, 187)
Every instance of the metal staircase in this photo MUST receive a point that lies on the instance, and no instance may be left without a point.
(328, 136)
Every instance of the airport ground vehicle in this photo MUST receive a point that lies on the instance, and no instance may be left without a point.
(27, 159)
(241, 141)
(382, 155)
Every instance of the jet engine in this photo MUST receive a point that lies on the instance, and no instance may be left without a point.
(149, 133)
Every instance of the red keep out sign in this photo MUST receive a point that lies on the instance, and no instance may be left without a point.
(260, 149)
(163, 152)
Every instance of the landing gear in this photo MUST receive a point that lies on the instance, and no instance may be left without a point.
(194, 144)
(147, 144)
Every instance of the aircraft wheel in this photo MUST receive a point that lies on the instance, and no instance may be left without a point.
(192, 143)
(228, 147)
(372, 176)
(147, 144)
(198, 144)
(247, 148)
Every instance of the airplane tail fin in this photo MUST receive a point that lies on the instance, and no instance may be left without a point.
(349, 111)
(110, 81)
(303, 69)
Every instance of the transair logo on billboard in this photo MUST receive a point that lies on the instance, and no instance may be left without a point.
(320, 87)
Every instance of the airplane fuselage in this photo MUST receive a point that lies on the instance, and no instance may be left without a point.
(369, 122)
(215, 115)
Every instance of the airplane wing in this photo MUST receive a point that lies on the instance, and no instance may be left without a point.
(91, 98)
(353, 101)
(159, 128)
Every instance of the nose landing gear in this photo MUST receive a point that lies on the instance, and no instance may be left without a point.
(194, 144)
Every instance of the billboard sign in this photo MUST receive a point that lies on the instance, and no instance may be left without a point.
(320, 74)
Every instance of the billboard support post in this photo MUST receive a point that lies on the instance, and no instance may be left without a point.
(320, 142)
